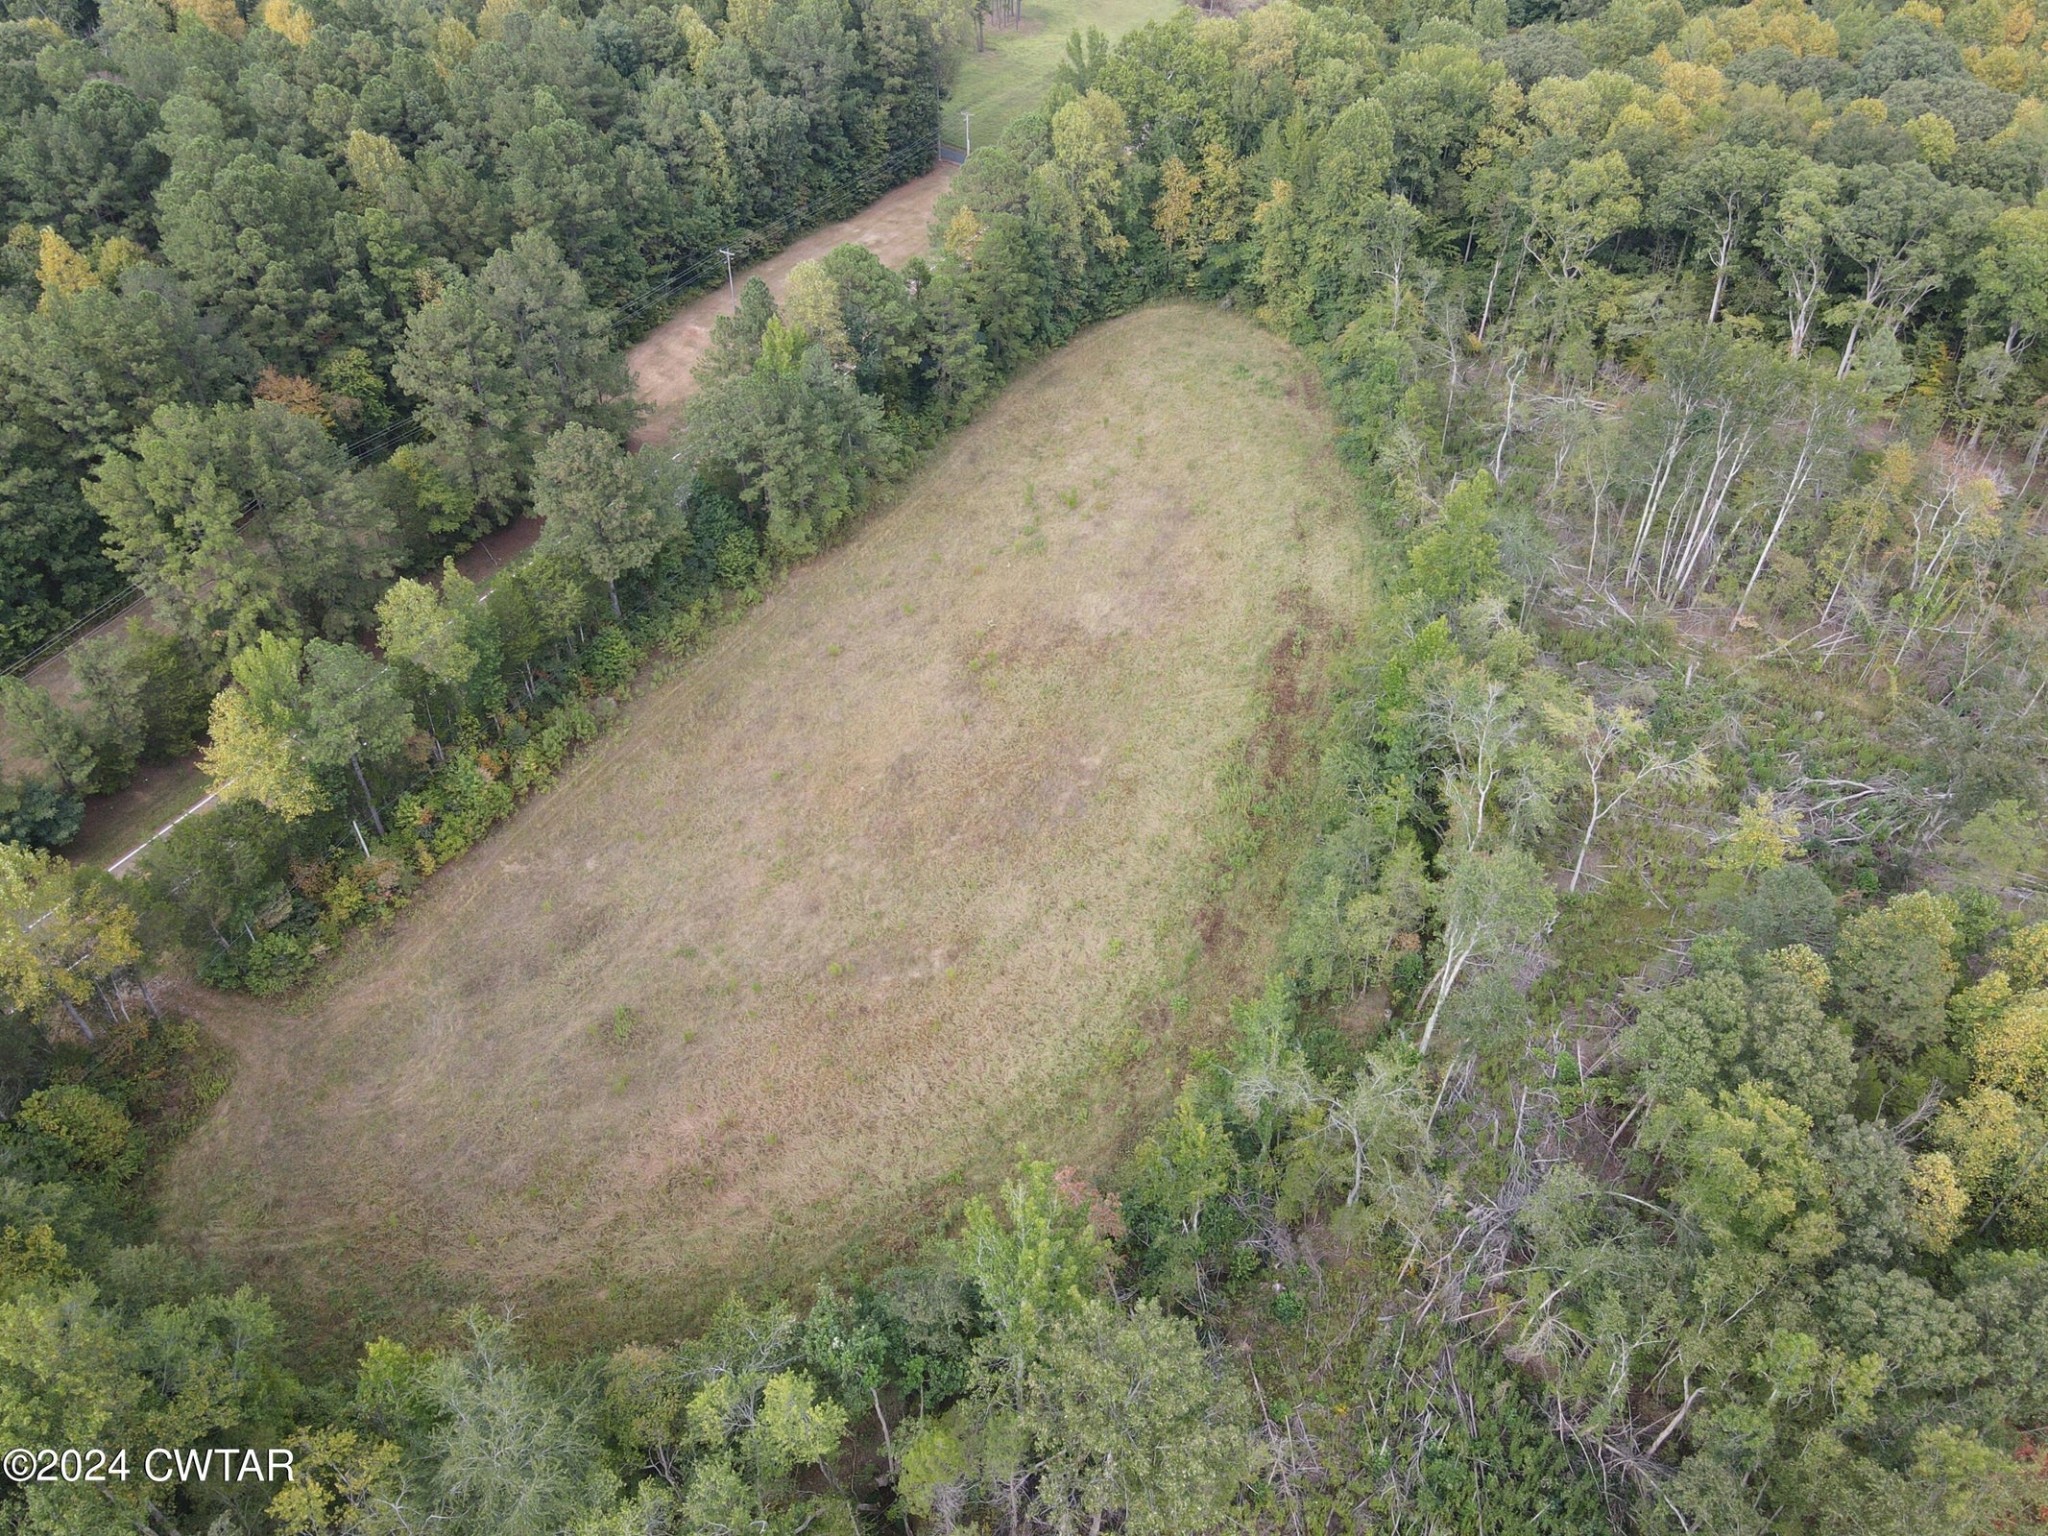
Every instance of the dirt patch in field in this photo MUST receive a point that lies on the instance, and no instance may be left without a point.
(914, 865)
(896, 227)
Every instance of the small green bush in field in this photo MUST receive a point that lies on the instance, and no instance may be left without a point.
(275, 961)
(92, 1130)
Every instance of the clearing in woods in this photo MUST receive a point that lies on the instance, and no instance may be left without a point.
(1017, 65)
(955, 845)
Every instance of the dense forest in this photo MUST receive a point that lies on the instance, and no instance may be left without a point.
(1676, 816)
(210, 214)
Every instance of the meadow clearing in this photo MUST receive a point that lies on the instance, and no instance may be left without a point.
(1015, 66)
(943, 851)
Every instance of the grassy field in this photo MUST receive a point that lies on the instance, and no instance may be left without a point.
(1015, 68)
(956, 845)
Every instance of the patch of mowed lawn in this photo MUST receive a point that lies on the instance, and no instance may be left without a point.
(957, 845)
(1017, 65)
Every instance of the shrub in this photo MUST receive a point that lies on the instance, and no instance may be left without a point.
(345, 900)
(611, 659)
(275, 961)
(92, 1131)
(469, 804)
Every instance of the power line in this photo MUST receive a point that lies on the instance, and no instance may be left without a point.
(890, 173)
(362, 452)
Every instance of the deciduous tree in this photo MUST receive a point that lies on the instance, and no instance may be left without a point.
(1489, 903)
(63, 937)
(1133, 1425)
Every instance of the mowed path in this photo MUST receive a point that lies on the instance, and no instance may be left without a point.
(890, 879)
(895, 226)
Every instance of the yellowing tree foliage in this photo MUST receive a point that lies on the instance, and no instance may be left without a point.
(288, 21)
(61, 270)
(61, 935)
(220, 15)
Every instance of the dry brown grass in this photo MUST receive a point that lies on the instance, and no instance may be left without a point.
(926, 859)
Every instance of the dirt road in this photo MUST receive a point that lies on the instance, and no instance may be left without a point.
(896, 227)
